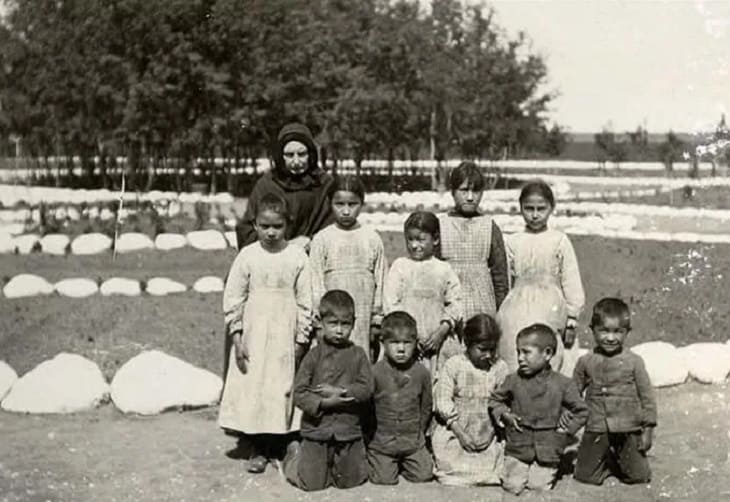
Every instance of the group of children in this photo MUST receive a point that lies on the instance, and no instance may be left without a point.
(473, 331)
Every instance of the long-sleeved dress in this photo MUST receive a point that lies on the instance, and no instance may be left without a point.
(269, 297)
(547, 288)
(475, 249)
(353, 261)
(429, 290)
(461, 395)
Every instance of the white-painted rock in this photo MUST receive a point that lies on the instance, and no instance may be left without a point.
(664, 363)
(92, 243)
(207, 240)
(707, 362)
(65, 384)
(133, 241)
(25, 243)
(8, 376)
(56, 244)
(23, 285)
(6, 243)
(208, 284)
(232, 239)
(153, 382)
(76, 288)
(120, 286)
(161, 286)
(165, 242)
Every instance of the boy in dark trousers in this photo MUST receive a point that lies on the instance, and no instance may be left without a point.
(402, 407)
(529, 405)
(621, 405)
(333, 387)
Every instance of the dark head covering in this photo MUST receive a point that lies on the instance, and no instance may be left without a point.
(313, 176)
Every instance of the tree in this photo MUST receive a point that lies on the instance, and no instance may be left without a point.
(556, 140)
(670, 151)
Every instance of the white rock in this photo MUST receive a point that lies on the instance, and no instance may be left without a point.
(65, 384)
(23, 285)
(209, 284)
(25, 243)
(120, 286)
(664, 363)
(707, 362)
(76, 288)
(92, 243)
(232, 239)
(207, 240)
(165, 242)
(8, 376)
(55, 244)
(6, 243)
(153, 382)
(161, 286)
(133, 241)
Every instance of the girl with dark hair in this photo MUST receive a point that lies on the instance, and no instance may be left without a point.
(351, 257)
(427, 288)
(547, 287)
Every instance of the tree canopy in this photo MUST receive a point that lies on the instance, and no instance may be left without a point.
(183, 79)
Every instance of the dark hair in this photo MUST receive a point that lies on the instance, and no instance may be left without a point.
(336, 301)
(543, 336)
(537, 187)
(482, 328)
(347, 183)
(398, 322)
(611, 308)
(275, 204)
(466, 171)
(424, 221)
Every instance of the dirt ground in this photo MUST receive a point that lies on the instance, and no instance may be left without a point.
(105, 456)
(677, 293)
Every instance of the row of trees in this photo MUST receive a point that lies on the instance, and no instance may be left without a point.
(165, 82)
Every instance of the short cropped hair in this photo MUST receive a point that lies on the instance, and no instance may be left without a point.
(482, 328)
(466, 171)
(537, 187)
(398, 322)
(274, 203)
(336, 301)
(541, 335)
(611, 308)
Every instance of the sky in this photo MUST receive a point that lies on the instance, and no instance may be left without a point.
(618, 64)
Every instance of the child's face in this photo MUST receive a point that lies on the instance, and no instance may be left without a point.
(270, 227)
(420, 244)
(296, 157)
(536, 211)
(336, 328)
(531, 358)
(346, 206)
(610, 335)
(399, 346)
(481, 354)
(467, 199)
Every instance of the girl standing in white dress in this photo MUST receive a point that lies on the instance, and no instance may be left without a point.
(351, 257)
(547, 287)
(267, 304)
(427, 288)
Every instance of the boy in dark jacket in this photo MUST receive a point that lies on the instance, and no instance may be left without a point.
(333, 387)
(529, 405)
(621, 406)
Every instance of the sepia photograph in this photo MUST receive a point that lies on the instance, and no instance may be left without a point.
(364, 250)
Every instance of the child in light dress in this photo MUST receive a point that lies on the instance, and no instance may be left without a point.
(351, 257)
(467, 450)
(427, 288)
(267, 304)
(547, 287)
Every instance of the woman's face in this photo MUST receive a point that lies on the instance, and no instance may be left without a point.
(536, 211)
(296, 158)
(467, 199)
